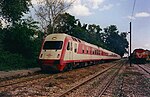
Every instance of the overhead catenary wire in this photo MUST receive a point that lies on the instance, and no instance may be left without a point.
(133, 9)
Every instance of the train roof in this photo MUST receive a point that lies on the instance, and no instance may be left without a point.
(74, 38)
(81, 41)
(139, 49)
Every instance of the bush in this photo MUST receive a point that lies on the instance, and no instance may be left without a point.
(9, 61)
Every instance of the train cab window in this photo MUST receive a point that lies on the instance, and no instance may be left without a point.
(53, 45)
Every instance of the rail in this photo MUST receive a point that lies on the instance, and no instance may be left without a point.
(85, 81)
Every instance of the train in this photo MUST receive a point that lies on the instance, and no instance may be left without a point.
(62, 52)
(140, 56)
(148, 55)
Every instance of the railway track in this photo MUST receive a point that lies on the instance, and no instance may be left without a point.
(25, 79)
(106, 86)
(147, 65)
(145, 68)
(90, 79)
(15, 81)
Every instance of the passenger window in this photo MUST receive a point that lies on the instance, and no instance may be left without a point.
(82, 49)
(87, 50)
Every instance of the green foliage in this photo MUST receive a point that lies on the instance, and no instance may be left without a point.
(65, 23)
(115, 42)
(20, 47)
(109, 39)
(13, 10)
(0, 25)
(95, 35)
(80, 33)
(18, 39)
(10, 61)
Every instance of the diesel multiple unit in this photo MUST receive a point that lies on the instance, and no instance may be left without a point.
(64, 52)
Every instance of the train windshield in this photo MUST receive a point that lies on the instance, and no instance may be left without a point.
(52, 45)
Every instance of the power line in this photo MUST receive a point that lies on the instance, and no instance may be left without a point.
(133, 8)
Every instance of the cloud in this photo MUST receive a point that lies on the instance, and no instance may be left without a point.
(147, 45)
(68, 1)
(106, 7)
(34, 1)
(139, 15)
(95, 3)
(80, 10)
(142, 14)
(4, 22)
(131, 17)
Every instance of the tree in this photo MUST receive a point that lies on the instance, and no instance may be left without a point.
(95, 34)
(19, 38)
(0, 25)
(48, 11)
(115, 42)
(65, 23)
(13, 10)
(1, 36)
(124, 43)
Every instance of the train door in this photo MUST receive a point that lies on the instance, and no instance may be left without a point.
(75, 46)
(69, 50)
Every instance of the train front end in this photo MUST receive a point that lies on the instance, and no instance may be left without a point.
(139, 56)
(50, 57)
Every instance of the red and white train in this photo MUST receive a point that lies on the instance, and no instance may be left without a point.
(140, 56)
(62, 52)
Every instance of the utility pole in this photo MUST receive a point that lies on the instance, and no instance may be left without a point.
(130, 43)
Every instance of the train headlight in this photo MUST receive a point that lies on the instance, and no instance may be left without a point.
(58, 55)
(54, 38)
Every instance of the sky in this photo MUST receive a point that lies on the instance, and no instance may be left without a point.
(119, 13)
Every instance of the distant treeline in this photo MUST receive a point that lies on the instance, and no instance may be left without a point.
(109, 38)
